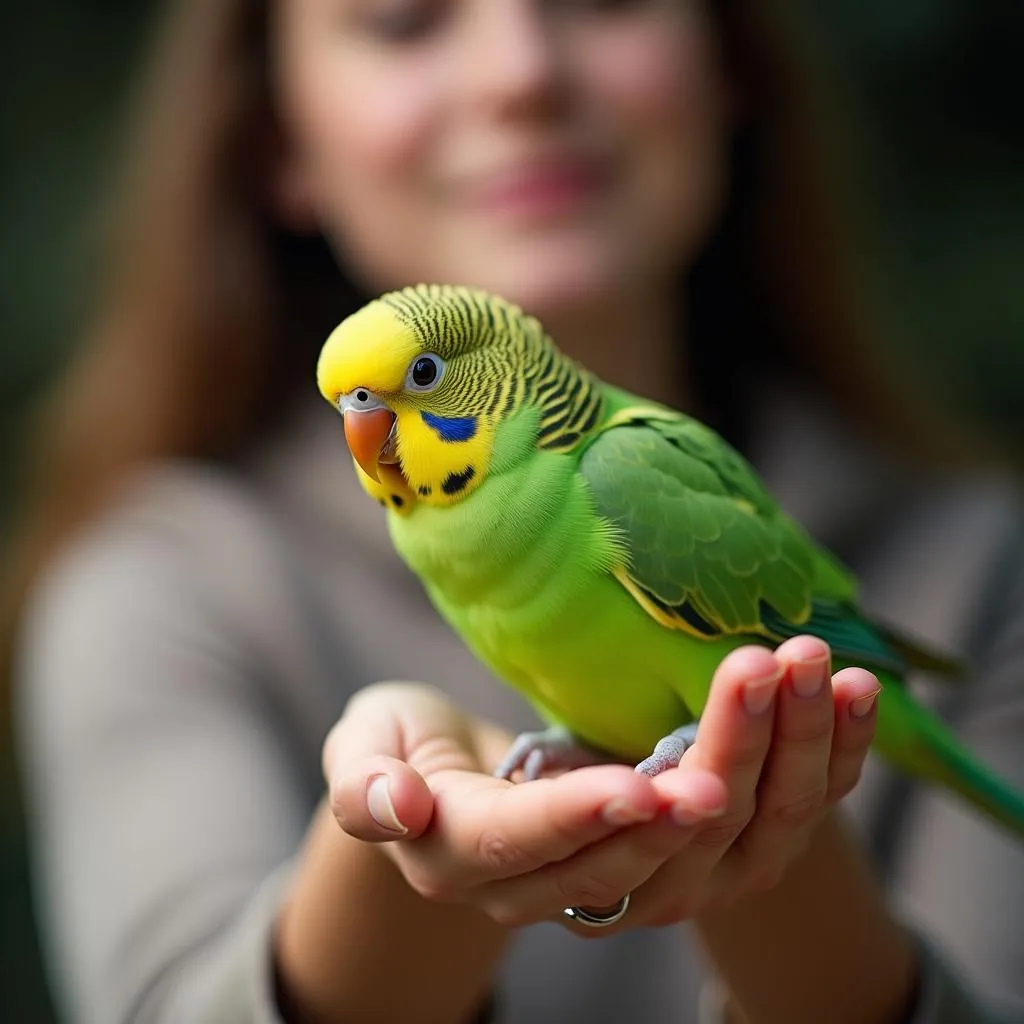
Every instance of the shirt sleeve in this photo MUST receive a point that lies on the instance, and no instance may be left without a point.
(166, 802)
(958, 879)
(941, 998)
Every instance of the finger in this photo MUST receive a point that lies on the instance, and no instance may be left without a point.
(386, 718)
(411, 721)
(381, 799)
(486, 828)
(732, 743)
(736, 727)
(600, 874)
(794, 783)
(856, 714)
(373, 793)
(795, 778)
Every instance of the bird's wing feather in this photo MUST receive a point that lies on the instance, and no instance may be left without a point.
(709, 552)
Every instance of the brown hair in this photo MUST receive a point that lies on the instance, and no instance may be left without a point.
(187, 334)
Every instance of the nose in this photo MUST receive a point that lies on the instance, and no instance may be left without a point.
(515, 61)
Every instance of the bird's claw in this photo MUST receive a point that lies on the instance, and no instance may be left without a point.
(546, 749)
(668, 751)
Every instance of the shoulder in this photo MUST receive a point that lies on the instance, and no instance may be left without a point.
(138, 593)
(139, 549)
(188, 588)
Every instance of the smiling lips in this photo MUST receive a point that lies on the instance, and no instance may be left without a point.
(542, 189)
(370, 435)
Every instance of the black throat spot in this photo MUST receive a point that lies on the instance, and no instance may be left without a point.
(455, 482)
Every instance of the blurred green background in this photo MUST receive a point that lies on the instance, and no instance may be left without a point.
(929, 92)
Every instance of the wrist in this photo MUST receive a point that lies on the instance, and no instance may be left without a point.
(351, 925)
(820, 945)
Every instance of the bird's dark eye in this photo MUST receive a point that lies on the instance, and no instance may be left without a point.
(425, 373)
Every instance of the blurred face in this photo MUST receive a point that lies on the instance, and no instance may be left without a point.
(554, 151)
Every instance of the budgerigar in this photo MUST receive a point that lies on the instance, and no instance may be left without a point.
(599, 552)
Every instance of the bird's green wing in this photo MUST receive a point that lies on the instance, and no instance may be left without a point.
(709, 552)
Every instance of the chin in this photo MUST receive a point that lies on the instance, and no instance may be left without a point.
(553, 277)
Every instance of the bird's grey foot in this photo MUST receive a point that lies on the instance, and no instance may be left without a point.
(668, 751)
(537, 752)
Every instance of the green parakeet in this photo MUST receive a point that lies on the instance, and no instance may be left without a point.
(599, 552)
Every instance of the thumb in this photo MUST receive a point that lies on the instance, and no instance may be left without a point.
(380, 799)
(374, 794)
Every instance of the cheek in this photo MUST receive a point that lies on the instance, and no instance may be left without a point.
(664, 86)
(349, 144)
(662, 77)
(362, 144)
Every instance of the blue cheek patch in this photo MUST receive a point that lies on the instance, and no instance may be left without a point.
(451, 428)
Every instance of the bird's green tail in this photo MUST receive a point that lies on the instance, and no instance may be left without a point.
(918, 742)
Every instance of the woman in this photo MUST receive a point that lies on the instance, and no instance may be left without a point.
(203, 587)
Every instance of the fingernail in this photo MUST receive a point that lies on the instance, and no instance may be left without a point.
(759, 693)
(382, 810)
(683, 814)
(808, 677)
(860, 707)
(619, 811)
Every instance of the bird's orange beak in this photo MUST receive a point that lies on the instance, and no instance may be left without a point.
(366, 433)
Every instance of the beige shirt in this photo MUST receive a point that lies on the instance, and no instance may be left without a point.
(182, 663)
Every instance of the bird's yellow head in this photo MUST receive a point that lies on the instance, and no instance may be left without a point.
(425, 378)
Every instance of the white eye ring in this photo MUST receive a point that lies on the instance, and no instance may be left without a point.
(421, 368)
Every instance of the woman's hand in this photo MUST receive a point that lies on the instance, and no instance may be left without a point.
(788, 740)
(403, 764)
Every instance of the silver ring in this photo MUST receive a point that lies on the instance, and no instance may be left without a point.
(582, 916)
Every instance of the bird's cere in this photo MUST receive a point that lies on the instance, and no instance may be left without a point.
(360, 400)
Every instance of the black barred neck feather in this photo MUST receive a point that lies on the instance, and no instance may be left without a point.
(505, 360)
(570, 400)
